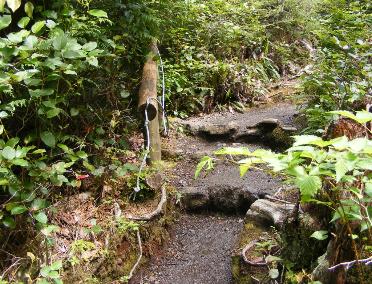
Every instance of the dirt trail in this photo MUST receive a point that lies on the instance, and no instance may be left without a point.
(200, 247)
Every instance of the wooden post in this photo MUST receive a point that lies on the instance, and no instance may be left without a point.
(148, 103)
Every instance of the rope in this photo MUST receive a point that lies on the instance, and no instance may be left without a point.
(162, 103)
(146, 123)
(147, 149)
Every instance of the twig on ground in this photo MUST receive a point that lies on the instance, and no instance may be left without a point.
(347, 265)
(156, 212)
(139, 256)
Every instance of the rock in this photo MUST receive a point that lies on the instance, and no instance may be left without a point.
(210, 130)
(194, 198)
(270, 212)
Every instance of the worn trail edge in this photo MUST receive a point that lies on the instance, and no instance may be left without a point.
(204, 238)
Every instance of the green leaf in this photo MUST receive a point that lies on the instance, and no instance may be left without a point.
(37, 26)
(53, 112)
(206, 162)
(53, 274)
(41, 92)
(44, 271)
(3, 181)
(22, 23)
(2, 4)
(5, 21)
(8, 153)
(74, 111)
(18, 210)
(14, 4)
(82, 154)
(48, 139)
(20, 162)
(9, 222)
(60, 41)
(341, 169)
(56, 265)
(90, 46)
(274, 273)
(29, 9)
(320, 235)
(241, 151)
(98, 13)
(309, 185)
(48, 230)
(41, 217)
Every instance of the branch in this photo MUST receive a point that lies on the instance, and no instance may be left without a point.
(347, 265)
(156, 212)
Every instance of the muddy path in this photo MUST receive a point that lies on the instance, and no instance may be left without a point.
(213, 207)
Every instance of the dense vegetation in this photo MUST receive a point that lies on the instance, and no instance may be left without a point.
(70, 72)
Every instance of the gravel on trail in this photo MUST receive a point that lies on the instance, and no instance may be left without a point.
(199, 252)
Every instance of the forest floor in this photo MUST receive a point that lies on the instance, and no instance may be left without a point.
(203, 238)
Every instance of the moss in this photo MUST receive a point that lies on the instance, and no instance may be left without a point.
(242, 273)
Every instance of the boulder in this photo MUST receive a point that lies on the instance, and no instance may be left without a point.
(270, 212)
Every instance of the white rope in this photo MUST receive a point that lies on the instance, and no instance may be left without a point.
(147, 149)
(162, 103)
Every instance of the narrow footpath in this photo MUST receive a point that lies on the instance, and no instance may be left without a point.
(204, 238)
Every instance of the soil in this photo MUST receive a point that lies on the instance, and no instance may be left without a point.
(199, 251)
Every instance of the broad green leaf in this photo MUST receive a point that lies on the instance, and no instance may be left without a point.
(53, 112)
(44, 271)
(8, 153)
(37, 26)
(18, 210)
(92, 61)
(56, 265)
(363, 116)
(14, 4)
(3, 181)
(41, 217)
(51, 24)
(20, 162)
(29, 9)
(22, 23)
(82, 154)
(243, 169)
(74, 111)
(98, 13)
(2, 4)
(341, 169)
(53, 274)
(309, 185)
(48, 139)
(48, 230)
(306, 140)
(205, 162)
(40, 92)
(320, 235)
(90, 46)
(38, 204)
(60, 41)
(233, 151)
(72, 54)
(5, 21)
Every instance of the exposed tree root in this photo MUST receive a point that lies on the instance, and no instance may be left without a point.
(246, 260)
(156, 212)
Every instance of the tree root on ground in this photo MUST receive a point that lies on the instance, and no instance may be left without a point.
(156, 212)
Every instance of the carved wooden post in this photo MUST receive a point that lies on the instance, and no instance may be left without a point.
(148, 103)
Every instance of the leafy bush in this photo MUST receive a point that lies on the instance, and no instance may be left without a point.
(339, 79)
(335, 174)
